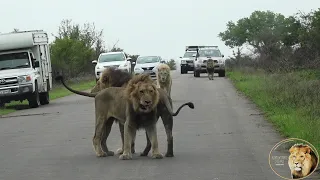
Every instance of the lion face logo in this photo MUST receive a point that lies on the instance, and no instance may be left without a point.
(301, 161)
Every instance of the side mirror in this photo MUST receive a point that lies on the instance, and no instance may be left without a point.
(222, 55)
(180, 57)
(36, 64)
(94, 62)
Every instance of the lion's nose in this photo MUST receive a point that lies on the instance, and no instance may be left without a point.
(147, 102)
(296, 163)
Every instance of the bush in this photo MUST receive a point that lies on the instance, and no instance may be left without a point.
(172, 64)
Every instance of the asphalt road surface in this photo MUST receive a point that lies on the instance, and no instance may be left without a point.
(223, 138)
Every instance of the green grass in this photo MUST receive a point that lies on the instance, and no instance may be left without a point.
(290, 101)
(56, 92)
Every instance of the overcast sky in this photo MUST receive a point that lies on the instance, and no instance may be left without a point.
(145, 27)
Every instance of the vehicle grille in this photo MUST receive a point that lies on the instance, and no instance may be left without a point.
(148, 68)
(5, 82)
(189, 61)
(113, 66)
(215, 61)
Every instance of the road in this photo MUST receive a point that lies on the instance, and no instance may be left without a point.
(223, 138)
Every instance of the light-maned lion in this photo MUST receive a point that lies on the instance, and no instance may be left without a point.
(116, 77)
(302, 161)
(164, 80)
(135, 106)
(210, 69)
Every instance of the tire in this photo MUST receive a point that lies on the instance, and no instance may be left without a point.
(44, 97)
(34, 100)
(196, 74)
(222, 73)
(183, 71)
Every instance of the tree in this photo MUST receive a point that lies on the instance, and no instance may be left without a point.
(264, 30)
(172, 64)
(74, 47)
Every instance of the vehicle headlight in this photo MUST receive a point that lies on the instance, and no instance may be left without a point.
(24, 79)
(183, 62)
(137, 69)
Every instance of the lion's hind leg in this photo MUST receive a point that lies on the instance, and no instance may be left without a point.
(105, 135)
(99, 135)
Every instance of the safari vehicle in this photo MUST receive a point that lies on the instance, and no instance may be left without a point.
(203, 54)
(187, 61)
(25, 67)
(148, 64)
(117, 60)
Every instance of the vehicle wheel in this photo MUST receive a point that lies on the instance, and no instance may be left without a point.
(44, 97)
(196, 73)
(183, 71)
(34, 100)
(222, 73)
(2, 105)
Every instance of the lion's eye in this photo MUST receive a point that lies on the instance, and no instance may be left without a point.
(141, 92)
(151, 91)
(301, 156)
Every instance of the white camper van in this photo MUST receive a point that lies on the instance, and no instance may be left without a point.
(25, 67)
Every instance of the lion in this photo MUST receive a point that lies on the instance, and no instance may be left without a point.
(136, 106)
(122, 79)
(210, 69)
(302, 161)
(164, 80)
(113, 76)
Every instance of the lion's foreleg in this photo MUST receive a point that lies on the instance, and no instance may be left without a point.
(120, 150)
(152, 134)
(99, 128)
(129, 133)
(147, 148)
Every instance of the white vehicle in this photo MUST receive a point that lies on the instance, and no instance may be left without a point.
(205, 53)
(187, 61)
(117, 60)
(148, 64)
(25, 67)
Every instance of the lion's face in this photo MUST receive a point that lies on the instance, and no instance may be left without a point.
(145, 97)
(163, 75)
(299, 159)
(210, 63)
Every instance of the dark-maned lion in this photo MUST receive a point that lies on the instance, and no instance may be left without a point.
(119, 78)
(210, 69)
(135, 107)
(111, 76)
(302, 161)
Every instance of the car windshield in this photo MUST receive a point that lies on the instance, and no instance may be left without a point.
(209, 53)
(111, 57)
(147, 59)
(188, 54)
(14, 61)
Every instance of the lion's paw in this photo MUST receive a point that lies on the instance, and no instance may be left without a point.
(119, 151)
(110, 153)
(157, 156)
(169, 154)
(101, 154)
(125, 156)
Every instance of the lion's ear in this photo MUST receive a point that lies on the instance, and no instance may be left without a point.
(308, 150)
(291, 150)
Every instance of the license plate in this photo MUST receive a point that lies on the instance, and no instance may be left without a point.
(148, 71)
(190, 64)
(5, 91)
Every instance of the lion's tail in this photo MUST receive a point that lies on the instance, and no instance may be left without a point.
(190, 104)
(60, 78)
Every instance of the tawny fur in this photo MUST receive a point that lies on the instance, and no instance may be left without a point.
(210, 69)
(306, 159)
(104, 104)
(164, 80)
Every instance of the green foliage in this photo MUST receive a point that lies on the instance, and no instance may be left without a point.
(172, 64)
(280, 43)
